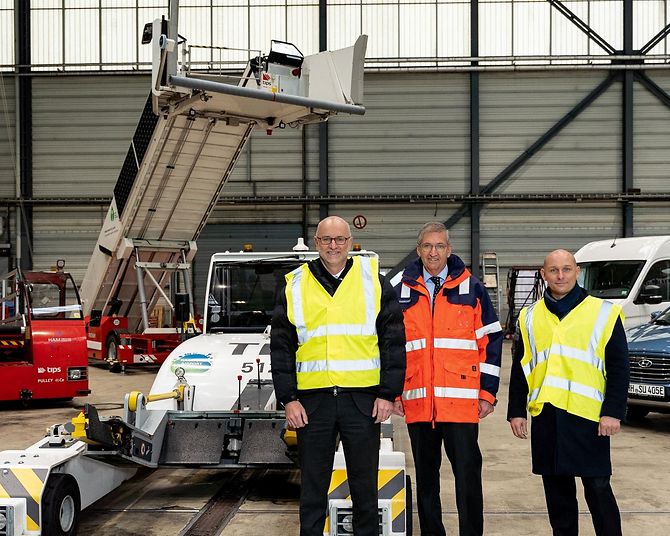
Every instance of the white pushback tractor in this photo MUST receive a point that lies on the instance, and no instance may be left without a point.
(215, 388)
(211, 405)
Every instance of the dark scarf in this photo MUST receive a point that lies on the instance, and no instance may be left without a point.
(566, 304)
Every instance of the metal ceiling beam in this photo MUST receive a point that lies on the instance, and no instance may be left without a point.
(359, 199)
(655, 40)
(627, 117)
(653, 88)
(24, 250)
(592, 34)
(475, 230)
(324, 180)
(434, 199)
(525, 156)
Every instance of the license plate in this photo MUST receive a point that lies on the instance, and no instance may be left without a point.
(642, 389)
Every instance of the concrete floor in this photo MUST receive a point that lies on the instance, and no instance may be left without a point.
(162, 502)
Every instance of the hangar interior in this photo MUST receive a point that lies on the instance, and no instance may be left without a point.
(524, 125)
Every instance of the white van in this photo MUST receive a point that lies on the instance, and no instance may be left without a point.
(633, 272)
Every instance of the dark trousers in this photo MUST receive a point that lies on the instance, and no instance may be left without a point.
(561, 495)
(460, 444)
(350, 415)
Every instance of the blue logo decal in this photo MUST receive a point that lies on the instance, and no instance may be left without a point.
(193, 363)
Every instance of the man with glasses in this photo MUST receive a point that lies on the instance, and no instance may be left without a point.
(454, 345)
(338, 363)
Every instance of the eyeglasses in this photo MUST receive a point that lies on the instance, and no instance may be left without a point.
(326, 240)
(426, 247)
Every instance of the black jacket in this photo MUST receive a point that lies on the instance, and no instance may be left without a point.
(390, 335)
(562, 443)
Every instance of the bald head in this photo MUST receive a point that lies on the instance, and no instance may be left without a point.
(560, 271)
(562, 256)
(333, 240)
(333, 222)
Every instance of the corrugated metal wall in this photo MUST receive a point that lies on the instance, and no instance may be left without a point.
(64, 233)
(277, 165)
(7, 158)
(652, 140)
(523, 234)
(413, 139)
(7, 135)
(516, 109)
(82, 127)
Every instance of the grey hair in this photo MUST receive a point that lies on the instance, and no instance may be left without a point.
(432, 227)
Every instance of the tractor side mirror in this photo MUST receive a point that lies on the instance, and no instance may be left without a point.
(182, 307)
(96, 317)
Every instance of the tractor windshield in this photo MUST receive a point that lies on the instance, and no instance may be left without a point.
(242, 295)
(53, 296)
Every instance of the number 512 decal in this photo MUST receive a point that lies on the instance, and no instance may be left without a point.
(250, 367)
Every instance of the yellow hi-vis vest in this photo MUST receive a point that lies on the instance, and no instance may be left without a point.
(337, 335)
(564, 360)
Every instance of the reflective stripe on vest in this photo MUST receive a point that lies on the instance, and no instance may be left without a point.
(369, 328)
(491, 370)
(414, 394)
(455, 344)
(587, 356)
(559, 377)
(341, 366)
(494, 327)
(569, 385)
(445, 348)
(418, 344)
(456, 392)
(337, 335)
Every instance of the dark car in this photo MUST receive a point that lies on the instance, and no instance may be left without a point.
(649, 350)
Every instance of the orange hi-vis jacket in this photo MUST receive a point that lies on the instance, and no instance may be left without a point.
(454, 348)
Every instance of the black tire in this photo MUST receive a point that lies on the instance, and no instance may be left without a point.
(61, 506)
(408, 506)
(111, 352)
(636, 413)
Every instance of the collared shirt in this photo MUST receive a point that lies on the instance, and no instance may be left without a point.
(429, 284)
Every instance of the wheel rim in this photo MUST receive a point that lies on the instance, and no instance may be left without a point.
(67, 513)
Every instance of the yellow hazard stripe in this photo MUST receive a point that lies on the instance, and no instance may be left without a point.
(27, 484)
(398, 504)
(11, 343)
(384, 476)
(390, 484)
(30, 481)
(338, 478)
